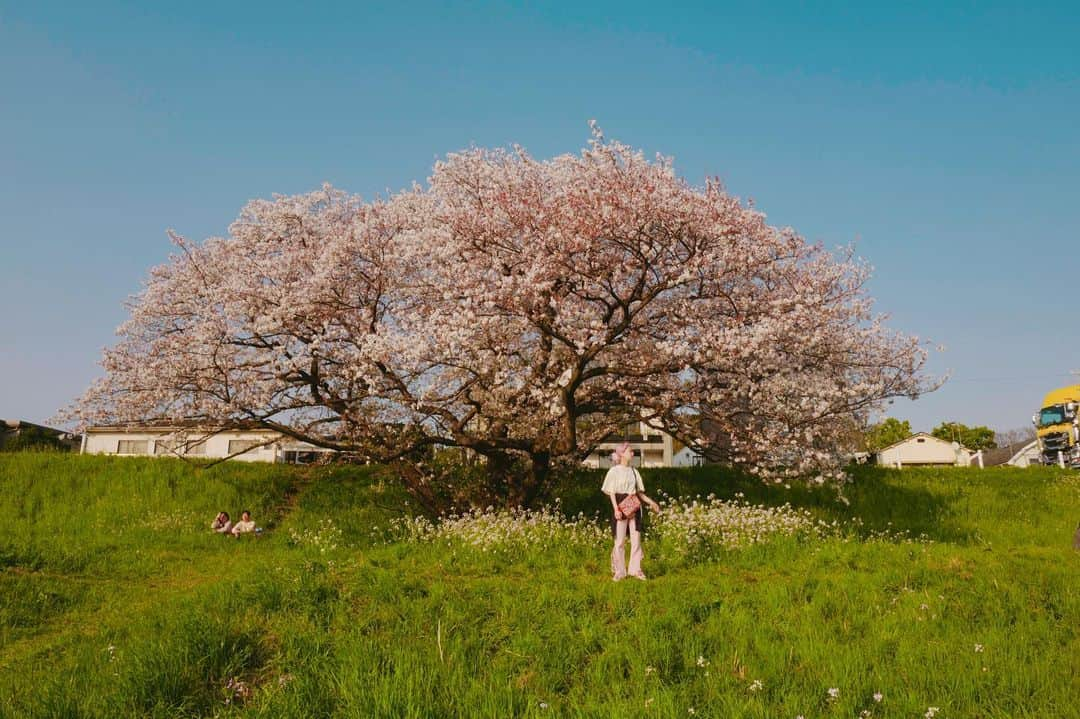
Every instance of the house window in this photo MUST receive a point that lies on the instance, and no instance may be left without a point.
(920, 440)
(179, 446)
(132, 446)
(301, 456)
(238, 446)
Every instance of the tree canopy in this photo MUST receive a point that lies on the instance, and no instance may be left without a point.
(519, 309)
(971, 437)
(887, 432)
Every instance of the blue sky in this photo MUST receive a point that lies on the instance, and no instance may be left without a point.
(941, 137)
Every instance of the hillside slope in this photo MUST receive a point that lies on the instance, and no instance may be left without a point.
(951, 588)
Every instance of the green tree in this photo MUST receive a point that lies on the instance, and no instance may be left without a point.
(888, 431)
(971, 437)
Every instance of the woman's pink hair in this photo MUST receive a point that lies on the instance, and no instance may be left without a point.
(616, 456)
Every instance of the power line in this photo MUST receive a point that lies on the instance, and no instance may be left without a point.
(1018, 378)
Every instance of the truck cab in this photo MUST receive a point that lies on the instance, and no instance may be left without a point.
(1057, 427)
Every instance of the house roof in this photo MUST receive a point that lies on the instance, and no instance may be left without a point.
(12, 425)
(633, 439)
(1003, 455)
(1033, 444)
(163, 425)
(915, 436)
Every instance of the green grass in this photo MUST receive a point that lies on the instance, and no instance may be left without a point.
(115, 601)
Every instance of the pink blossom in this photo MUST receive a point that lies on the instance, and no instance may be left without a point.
(517, 308)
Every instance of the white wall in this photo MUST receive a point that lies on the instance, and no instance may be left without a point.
(217, 446)
(1028, 456)
(686, 457)
(923, 449)
(646, 454)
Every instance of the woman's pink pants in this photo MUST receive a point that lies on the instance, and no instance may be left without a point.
(618, 552)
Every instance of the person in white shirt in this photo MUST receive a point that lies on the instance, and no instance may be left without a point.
(621, 481)
(221, 523)
(245, 525)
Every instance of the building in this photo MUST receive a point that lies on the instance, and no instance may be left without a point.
(1019, 454)
(924, 450)
(245, 442)
(21, 432)
(249, 442)
(1028, 455)
(652, 448)
(687, 457)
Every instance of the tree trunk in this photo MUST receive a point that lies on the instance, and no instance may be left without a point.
(502, 482)
(418, 485)
(535, 484)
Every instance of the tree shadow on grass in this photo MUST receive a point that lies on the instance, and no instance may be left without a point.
(938, 503)
(879, 501)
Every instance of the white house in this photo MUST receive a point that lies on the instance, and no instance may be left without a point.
(652, 448)
(250, 443)
(1018, 454)
(687, 457)
(247, 443)
(924, 450)
(1028, 455)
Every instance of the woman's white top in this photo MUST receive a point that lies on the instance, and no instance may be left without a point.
(622, 480)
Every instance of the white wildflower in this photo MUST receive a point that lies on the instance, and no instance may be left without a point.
(500, 530)
(694, 526)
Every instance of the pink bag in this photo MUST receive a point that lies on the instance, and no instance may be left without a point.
(630, 505)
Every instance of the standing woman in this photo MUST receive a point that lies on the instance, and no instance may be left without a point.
(621, 481)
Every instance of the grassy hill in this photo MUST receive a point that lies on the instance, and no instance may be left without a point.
(954, 589)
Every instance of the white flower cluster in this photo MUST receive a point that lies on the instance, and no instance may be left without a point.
(325, 537)
(889, 534)
(694, 525)
(493, 529)
(704, 523)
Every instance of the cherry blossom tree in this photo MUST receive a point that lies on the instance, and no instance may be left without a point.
(520, 309)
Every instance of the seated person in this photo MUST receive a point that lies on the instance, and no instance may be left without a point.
(245, 525)
(221, 523)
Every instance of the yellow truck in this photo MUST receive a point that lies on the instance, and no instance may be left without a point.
(1057, 427)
